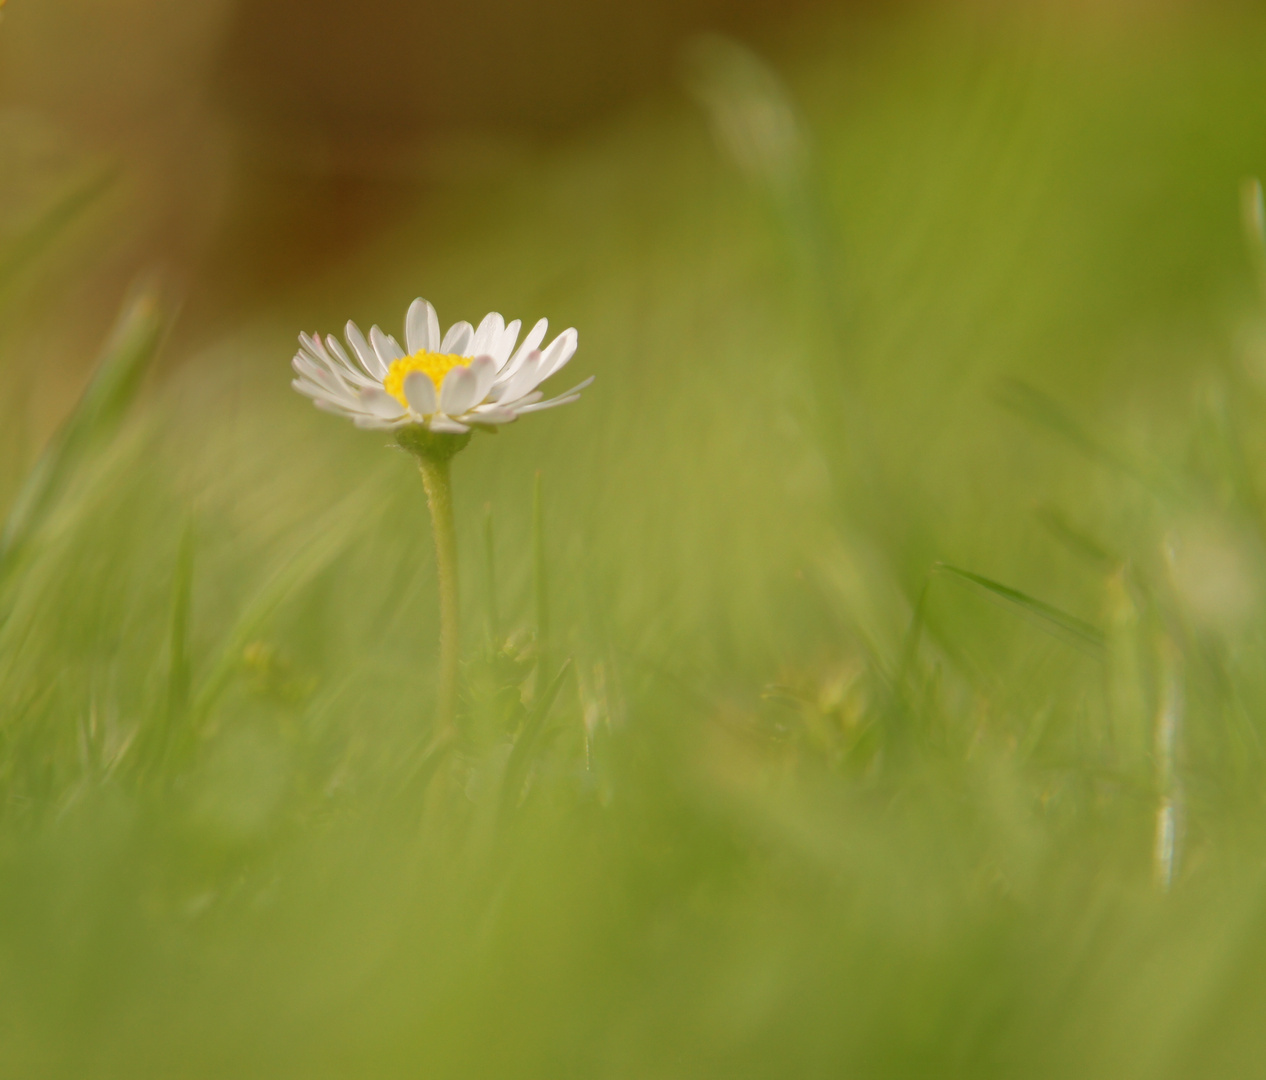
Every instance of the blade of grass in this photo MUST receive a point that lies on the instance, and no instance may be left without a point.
(1076, 540)
(178, 674)
(329, 537)
(174, 707)
(521, 754)
(28, 246)
(1031, 404)
(913, 636)
(1077, 632)
(111, 391)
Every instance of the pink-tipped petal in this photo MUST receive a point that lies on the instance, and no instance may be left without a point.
(380, 403)
(420, 391)
(484, 369)
(458, 392)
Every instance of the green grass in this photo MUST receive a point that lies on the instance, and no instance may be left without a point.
(905, 561)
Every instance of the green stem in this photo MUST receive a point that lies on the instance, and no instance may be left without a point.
(439, 494)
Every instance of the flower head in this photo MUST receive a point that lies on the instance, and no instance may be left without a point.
(447, 384)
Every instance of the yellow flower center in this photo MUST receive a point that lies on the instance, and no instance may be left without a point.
(432, 364)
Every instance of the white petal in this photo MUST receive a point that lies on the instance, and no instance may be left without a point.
(380, 403)
(458, 338)
(336, 409)
(347, 374)
(374, 423)
(385, 346)
(351, 371)
(535, 336)
(420, 391)
(312, 389)
(337, 351)
(527, 399)
(319, 394)
(561, 349)
(305, 365)
(491, 414)
(433, 324)
(523, 380)
(418, 325)
(367, 357)
(364, 419)
(446, 426)
(331, 366)
(314, 357)
(565, 399)
(458, 392)
(584, 384)
(504, 347)
(485, 371)
(313, 344)
(488, 334)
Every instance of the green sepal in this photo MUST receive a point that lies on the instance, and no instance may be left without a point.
(430, 445)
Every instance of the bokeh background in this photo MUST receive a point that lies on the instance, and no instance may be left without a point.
(264, 143)
(864, 678)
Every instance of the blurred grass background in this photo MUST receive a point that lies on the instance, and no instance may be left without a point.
(908, 553)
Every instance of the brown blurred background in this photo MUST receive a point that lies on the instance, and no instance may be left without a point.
(253, 145)
(256, 141)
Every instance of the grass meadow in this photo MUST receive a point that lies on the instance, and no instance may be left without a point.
(866, 678)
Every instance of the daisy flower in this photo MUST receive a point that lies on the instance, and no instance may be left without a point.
(446, 383)
(433, 397)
